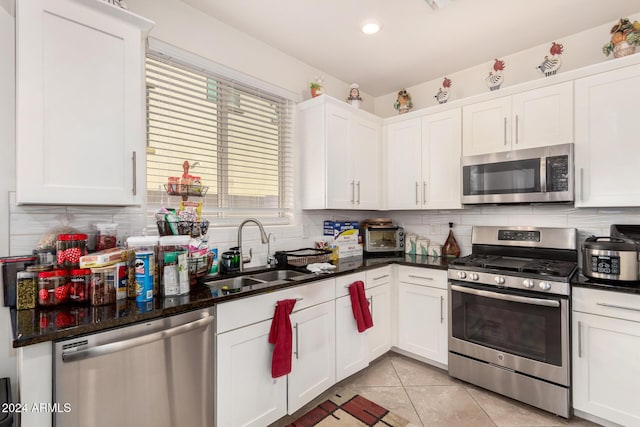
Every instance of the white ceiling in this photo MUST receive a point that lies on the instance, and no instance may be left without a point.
(416, 43)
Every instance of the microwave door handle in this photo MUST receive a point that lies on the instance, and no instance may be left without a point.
(543, 174)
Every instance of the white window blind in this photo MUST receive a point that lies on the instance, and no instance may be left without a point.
(236, 138)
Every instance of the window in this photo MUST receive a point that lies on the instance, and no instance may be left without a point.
(235, 137)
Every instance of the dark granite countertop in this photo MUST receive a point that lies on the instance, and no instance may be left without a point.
(49, 324)
(604, 285)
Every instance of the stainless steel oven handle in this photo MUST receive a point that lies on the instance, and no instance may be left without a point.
(505, 297)
(117, 346)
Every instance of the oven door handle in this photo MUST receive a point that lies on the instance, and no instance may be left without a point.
(505, 297)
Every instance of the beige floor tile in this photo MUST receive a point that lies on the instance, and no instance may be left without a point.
(413, 372)
(447, 406)
(504, 411)
(395, 399)
(380, 373)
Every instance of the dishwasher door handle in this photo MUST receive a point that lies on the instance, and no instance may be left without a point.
(114, 347)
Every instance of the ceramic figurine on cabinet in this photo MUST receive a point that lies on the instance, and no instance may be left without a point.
(316, 86)
(403, 103)
(443, 93)
(354, 96)
(625, 36)
(551, 64)
(495, 80)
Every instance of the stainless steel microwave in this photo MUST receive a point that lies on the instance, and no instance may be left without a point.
(533, 175)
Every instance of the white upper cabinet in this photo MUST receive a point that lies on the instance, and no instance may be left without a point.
(423, 162)
(607, 153)
(80, 98)
(533, 118)
(341, 155)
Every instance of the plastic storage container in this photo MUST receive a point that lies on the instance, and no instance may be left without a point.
(173, 266)
(10, 267)
(26, 289)
(102, 288)
(80, 279)
(69, 249)
(53, 287)
(106, 236)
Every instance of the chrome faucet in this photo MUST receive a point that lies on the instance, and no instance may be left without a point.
(263, 237)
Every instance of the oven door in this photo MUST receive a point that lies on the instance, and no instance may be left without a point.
(524, 332)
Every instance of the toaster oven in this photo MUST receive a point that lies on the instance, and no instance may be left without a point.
(383, 239)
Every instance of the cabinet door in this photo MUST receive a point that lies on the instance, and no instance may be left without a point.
(314, 357)
(543, 116)
(606, 352)
(80, 106)
(607, 153)
(366, 150)
(380, 334)
(352, 350)
(246, 393)
(340, 181)
(403, 155)
(422, 321)
(441, 168)
(486, 127)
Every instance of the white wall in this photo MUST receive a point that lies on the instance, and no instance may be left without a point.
(580, 49)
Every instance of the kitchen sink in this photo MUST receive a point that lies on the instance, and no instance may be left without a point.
(233, 283)
(270, 276)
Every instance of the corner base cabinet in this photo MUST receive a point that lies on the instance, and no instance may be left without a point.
(80, 99)
(606, 355)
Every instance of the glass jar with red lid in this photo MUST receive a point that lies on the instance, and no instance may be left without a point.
(80, 278)
(69, 249)
(53, 287)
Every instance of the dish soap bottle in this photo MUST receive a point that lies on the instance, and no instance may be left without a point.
(450, 247)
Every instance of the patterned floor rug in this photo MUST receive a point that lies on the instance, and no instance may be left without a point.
(351, 410)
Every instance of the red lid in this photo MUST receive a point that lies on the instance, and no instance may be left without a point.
(81, 271)
(57, 273)
(65, 237)
(45, 274)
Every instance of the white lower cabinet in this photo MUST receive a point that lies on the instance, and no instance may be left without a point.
(246, 394)
(352, 348)
(606, 355)
(313, 369)
(378, 289)
(422, 313)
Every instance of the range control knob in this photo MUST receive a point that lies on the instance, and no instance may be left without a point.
(462, 275)
(528, 283)
(545, 286)
(499, 280)
(474, 276)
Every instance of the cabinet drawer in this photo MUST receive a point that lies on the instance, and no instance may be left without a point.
(423, 276)
(377, 277)
(607, 303)
(245, 311)
(343, 282)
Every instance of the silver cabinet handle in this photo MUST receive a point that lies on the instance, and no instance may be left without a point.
(417, 196)
(413, 276)
(505, 297)
(441, 309)
(135, 172)
(579, 338)
(505, 131)
(381, 277)
(358, 184)
(517, 130)
(424, 191)
(296, 352)
(622, 307)
(353, 191)
(371, 306)
(114, 347)
(582, 184)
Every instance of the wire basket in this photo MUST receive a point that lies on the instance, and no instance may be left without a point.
(183, 228)
(302, 257)
(186, 190)
(199, 267)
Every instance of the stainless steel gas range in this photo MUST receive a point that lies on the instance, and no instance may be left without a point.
(509, 314)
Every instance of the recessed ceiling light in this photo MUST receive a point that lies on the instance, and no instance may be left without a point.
(370, 28)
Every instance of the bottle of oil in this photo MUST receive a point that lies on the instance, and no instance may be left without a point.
(450, 247)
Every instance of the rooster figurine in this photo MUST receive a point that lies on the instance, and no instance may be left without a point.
(443, 93)
(495, 80)
(551, 64)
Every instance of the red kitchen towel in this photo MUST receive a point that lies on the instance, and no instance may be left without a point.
(360, 306)
(281, 336)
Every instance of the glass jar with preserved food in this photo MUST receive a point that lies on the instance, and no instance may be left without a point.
(102, 288)
(53, 288)
(106, 236)
(80, 279)
(69, 249)
(26, 289)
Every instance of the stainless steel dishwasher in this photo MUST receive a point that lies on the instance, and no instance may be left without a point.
(156, 373)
